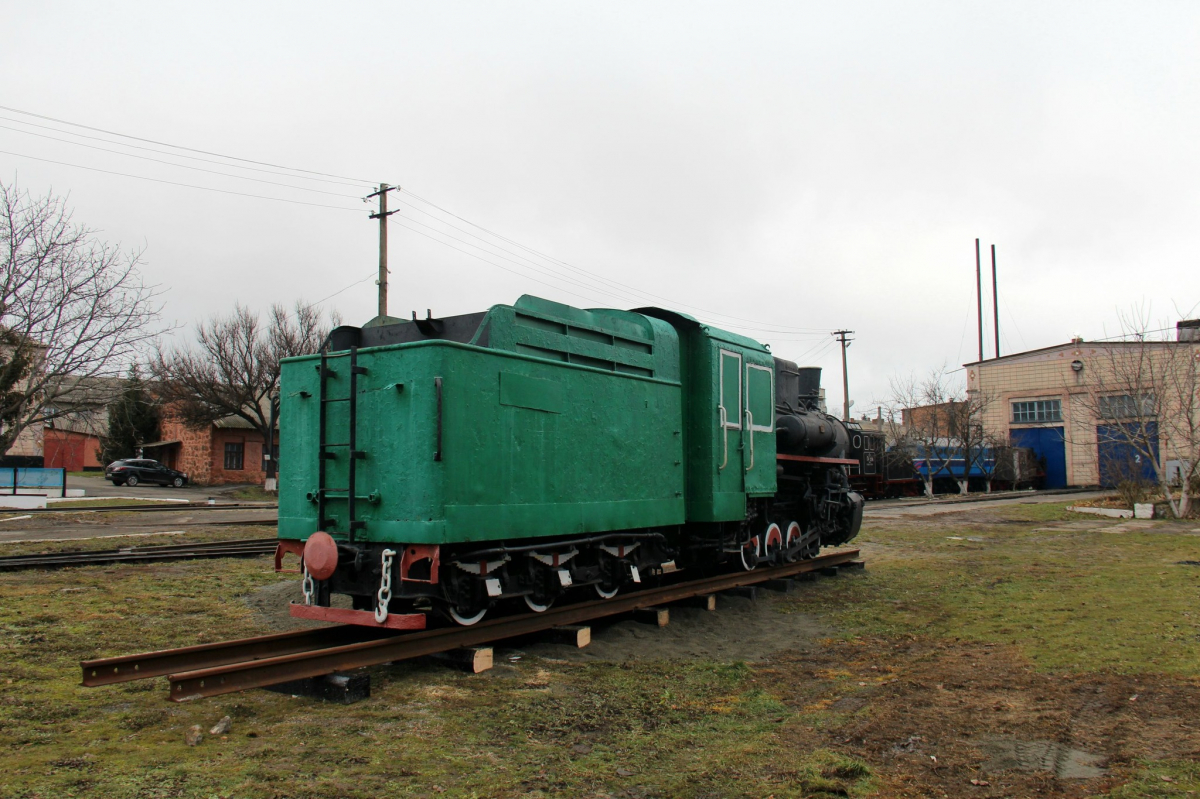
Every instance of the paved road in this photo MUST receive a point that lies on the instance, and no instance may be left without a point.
(75, 526)
(895, 508)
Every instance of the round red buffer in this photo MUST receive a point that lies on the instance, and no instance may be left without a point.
(320, 555)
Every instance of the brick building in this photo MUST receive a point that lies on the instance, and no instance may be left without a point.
(227, 451)
(1064, 402)
(80, 417)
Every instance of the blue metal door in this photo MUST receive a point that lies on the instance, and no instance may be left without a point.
(1049, 447)
(1120, 459)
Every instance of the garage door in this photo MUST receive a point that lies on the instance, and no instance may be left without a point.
(1119, 449)
(1049, 447)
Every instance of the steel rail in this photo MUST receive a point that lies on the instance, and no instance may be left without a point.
(198, 683)
(215, 549)
(107, 671)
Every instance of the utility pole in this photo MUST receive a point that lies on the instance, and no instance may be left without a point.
(382, 216)
(840, 335)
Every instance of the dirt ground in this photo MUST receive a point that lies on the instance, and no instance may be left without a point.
(965, 719)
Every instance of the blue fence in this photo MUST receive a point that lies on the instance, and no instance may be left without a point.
(28, 480)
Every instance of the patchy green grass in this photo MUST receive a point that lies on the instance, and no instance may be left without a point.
(1070, 599)
(530, 729)
(1048, 602)
(1157, 780)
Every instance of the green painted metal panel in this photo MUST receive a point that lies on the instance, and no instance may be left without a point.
(531, 446)
(531, 392)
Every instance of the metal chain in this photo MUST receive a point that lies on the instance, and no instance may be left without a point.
(384, 597)
(308, 585)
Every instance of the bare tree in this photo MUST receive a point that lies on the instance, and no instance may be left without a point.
(977, 447)
(234, 370)
(70, 306)
(930, 410)
(1144, 393)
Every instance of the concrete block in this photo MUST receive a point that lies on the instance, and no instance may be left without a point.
(1112, 513)
(1143, 510)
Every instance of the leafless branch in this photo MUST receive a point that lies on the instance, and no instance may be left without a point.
(70, 306)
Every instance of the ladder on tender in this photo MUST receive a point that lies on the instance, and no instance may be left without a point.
(327, 451)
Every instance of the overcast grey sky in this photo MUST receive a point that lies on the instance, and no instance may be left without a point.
(805, 167)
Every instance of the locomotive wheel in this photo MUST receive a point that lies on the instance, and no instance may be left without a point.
(610, 582)
(604, 593)
(463, 615)
(537, 607)
(772, 542)
(790, 540)
(749, 553)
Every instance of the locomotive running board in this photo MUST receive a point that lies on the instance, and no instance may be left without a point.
(815, 459)
(363, 618)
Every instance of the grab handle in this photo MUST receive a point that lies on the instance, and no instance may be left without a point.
(724, 438)
(750, 430)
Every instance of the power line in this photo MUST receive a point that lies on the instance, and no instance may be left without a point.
(180, 166)
(339, 291)
(589, 298)
(176, 183)
(636, 294)
(173, 155)
(178, 146)
(784, 328)
(493, 263)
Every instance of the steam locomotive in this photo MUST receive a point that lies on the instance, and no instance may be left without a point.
(536, 452)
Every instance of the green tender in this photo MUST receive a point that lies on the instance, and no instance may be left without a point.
(566, 422)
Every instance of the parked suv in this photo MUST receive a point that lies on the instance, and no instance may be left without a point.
(142, 470)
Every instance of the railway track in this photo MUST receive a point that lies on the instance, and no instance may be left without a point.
(208, 670)
(146, 508)
(249, 547)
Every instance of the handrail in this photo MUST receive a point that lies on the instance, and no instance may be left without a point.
(750, 430)
(724, 437)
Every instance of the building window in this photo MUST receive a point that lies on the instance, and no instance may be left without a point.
(1037, 411)
(233, 455)
(1124, 406)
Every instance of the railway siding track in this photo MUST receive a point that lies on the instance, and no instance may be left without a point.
(249, 547)
(221, 668)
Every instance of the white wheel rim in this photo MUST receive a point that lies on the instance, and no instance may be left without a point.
(606, 594)
(772, 532)
(535, 607)
(748, 567)
(793, 534)
(467, 621)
